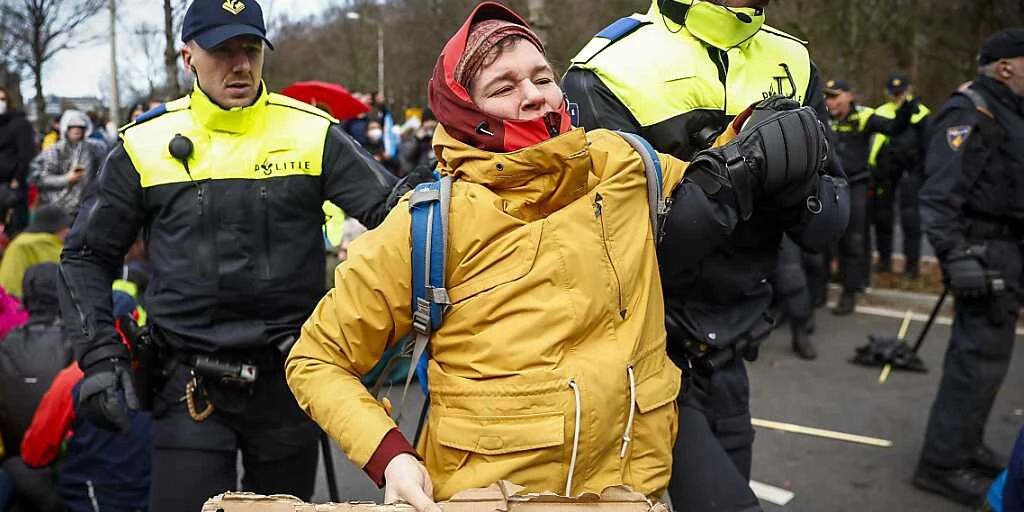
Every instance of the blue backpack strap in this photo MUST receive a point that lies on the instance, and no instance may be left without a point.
(655, 179)
(428, 207)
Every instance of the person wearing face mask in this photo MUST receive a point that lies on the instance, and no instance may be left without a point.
(63, 171)
(226, 184)
(677, 75)
(550, 368)
(972, 210)
(17, 149)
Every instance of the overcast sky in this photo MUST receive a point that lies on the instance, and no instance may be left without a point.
(83, 71)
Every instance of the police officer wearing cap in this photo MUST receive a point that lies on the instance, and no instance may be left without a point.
(678, 75)
(897, 165)
(226, 185)
(972, 209)
(854, 126)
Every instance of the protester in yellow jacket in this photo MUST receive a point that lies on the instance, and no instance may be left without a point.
(550, 368)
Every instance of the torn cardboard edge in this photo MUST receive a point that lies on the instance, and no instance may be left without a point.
(498, 497)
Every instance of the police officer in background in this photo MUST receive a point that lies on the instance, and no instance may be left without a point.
(897, 164)
(972, 208)
(854, 125)
(226, 185)
(677, 76)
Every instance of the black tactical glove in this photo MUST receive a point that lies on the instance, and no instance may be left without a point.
(107, 394)
(965, 272)
(419, 174)
(776, 159)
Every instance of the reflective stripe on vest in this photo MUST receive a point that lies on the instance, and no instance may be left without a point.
(888, 111)
(276, 137)
(659, 75)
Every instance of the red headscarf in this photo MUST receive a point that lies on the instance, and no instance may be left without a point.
(451, 102)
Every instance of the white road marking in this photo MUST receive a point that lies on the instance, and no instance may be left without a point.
(771, 494)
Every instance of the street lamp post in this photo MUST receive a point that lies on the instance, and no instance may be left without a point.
(352, 15)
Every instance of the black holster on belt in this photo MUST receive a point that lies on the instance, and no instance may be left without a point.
(148, 375)
(706, 359)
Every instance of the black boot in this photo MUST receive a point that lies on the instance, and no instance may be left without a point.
(802, 344)
(913, 270)
(847, 301)
(884, 266)
(963, 486)
(987, 462)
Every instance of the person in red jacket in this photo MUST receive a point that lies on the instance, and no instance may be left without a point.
(100, 469)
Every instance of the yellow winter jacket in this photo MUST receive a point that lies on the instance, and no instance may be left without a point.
(557, 301)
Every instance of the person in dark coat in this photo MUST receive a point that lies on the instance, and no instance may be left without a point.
(31, 356)
(17, 149)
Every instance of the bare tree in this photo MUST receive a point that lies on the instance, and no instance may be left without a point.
(44, 28)
(172, 15)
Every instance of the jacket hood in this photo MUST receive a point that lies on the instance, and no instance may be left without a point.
(39, 290)
(74, 118)
(534, 182)
(463, 120)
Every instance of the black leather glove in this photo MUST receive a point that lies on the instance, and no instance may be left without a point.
(776, 159)
(107, 394)
(419, 174)
(965, 272)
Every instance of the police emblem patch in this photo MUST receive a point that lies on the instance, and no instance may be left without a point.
(233, 6)
(956, 136)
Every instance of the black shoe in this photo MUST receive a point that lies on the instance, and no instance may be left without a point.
(884, 266)
(802, 344)
(847, 301)
(963, 486)
(913, 271)
(987, 462)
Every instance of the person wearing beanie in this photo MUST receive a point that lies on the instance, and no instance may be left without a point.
(550, 368)
(972, 211)
(62, 171)
(42, 241)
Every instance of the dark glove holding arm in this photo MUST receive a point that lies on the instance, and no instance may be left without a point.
(419, 174)
(107, 394)
(776, 159)
(965, 272)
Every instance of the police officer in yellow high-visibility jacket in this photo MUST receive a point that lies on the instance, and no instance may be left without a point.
(226, 185)
(897, 163)
(676, 75)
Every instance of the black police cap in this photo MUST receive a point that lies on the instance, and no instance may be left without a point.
(898, 83)
(211, 22)
(833, 87)
(1005, 44)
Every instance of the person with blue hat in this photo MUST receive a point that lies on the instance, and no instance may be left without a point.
(854, 126)
(897, 168)
(226, 185)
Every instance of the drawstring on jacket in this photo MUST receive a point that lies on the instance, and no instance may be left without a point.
(575, 437)
(626, 439)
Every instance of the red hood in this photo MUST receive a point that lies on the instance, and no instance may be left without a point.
(463, 119)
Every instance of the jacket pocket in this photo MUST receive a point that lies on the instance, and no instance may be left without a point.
(497, 435)
(503, 260)
(510, 444)
(654, 432)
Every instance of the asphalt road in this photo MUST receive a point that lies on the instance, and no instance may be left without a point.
(825, 475)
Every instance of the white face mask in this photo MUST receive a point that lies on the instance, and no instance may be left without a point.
(3, 106)
(374, 134)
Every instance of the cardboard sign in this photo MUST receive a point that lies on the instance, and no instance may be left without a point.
(499, 497)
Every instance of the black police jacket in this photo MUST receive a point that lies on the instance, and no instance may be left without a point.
(974, 169)
(719, 292)
(853, 136)
(235, 238)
